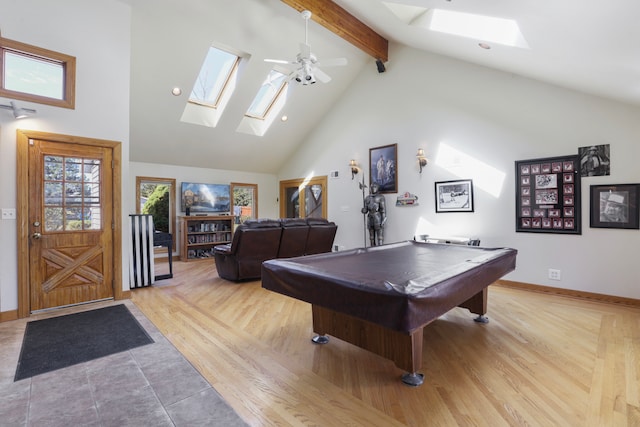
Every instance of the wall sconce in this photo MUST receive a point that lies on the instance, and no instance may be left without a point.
(422, 160)
(354, 168)
(18, 113)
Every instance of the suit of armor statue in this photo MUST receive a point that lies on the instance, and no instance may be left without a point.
(376, 211)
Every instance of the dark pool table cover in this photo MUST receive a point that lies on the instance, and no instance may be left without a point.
(401, 286)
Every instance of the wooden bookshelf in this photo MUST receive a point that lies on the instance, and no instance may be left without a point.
(199, 234)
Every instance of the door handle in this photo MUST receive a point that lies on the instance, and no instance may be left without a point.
(36, 236)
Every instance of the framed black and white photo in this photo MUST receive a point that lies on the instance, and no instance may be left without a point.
(548, 195)
(383, 163)
(454, 196)
(614, 206)
(594, 160)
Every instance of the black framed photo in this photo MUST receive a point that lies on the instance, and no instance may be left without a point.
(548, 195)
(383, 163)
(454, 196)
(615, 206)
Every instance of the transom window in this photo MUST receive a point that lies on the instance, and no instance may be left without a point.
(71, 194)
(34, 74)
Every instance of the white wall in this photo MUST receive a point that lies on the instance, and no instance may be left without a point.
(267, 185)
(98, 35)
(425, 100)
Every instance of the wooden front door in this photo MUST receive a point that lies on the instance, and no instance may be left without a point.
(70, 228)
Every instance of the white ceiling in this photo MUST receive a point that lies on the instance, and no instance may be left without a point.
(586, 45)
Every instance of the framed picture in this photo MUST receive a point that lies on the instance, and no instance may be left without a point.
(594, 160)
(383, 163)
(454, 196)
(548, 195)
(614, 206)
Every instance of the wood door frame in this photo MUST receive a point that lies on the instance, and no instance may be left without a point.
(301, 183)
(172, 196)
(22, 188)
(254, 212)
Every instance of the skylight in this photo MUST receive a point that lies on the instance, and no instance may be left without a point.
(214, 86)
(478, 27)
(217, 70)
(267, 94)
(267, 104)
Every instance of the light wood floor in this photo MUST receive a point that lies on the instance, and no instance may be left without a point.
(542, 360)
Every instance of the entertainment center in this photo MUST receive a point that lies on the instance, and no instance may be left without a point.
(201, 233)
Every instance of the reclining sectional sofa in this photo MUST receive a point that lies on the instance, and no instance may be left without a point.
(259, 240)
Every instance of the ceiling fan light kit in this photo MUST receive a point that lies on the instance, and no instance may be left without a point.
(307, 71)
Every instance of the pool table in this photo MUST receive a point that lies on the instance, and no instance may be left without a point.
(380, 298)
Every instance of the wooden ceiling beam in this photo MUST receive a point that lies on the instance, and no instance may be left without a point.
(339, 21)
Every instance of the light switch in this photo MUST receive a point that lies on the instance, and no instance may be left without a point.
(8, 213)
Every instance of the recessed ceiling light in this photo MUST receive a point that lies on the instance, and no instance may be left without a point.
(284, 118)
(484, 45)
(176, 91)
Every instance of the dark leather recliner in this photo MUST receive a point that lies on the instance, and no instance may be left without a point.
(321, 235)
(294, 237)
(259, 240)
(253, 242)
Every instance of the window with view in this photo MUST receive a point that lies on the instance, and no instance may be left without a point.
(268, 93)
(34, 74)
(217, 70)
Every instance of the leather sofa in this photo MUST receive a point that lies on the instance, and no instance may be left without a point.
(259, 240)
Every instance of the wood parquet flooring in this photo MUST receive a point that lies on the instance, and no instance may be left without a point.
(542, 360)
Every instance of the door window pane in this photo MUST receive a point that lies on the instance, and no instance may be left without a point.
(313, 201)
(72, 194)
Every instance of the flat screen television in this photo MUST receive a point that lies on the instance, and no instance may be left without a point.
(205, 198)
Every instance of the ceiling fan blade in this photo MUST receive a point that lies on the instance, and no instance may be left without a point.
(305, 50)
(321, 75)
(279, 61)
(333, 62)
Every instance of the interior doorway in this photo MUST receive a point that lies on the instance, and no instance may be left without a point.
(244, 202)
(304, 198)
(157, 197)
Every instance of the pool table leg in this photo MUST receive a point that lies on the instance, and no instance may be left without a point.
(403, 348)
(477, 304)
(320, 339)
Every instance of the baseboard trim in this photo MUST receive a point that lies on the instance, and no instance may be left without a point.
(610, 299)
(6, 316)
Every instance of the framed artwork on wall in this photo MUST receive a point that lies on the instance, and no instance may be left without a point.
(548, 195)
(383, 163)
(614, 206)
(594, 160)
(454, 196)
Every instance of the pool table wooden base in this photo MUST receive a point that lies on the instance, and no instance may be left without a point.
(403, 348)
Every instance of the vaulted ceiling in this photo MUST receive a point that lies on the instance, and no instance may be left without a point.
(585, 45)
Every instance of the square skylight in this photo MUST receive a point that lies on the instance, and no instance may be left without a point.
(479, 27)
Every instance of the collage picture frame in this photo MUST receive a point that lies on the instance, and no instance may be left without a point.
(548, 195)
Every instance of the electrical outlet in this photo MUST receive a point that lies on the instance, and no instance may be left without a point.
(554, 274)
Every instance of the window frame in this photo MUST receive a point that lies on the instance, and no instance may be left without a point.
(233, 71)
(68, 66)
(274, 98)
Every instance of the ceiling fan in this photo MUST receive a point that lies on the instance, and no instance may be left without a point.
(307, 64)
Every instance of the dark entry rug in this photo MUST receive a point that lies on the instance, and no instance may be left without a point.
(58, 342)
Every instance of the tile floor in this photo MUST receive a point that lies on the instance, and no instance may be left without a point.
(152, 385)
